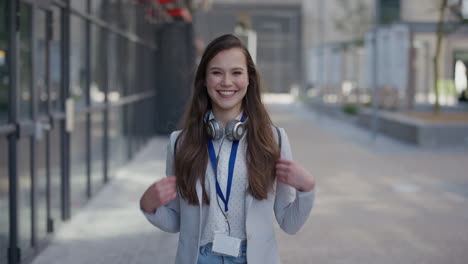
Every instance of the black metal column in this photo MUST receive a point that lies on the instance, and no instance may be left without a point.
(14, 253)
(49, 37)
(105, 147)
(88, 103)
(65, 135)
(34, 116)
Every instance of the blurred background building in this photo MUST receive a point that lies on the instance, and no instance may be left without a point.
(340, 61)
(84, 84)
(327, 46)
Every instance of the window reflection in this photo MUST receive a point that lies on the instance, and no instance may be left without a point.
(98, 69)
(55, 61)
(77, 62)
(4, 81)
(25, 79)
(41, 71)
(4, 216)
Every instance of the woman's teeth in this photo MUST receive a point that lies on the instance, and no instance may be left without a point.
(226, 92)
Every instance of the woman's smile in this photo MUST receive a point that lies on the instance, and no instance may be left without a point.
(226, 93)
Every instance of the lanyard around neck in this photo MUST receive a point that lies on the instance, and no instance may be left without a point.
(214, 164)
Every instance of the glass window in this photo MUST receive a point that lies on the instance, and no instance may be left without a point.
(4, 216)
(78, 164)
(139, 74)
(132, 68)
(129, 12)
(117, 140)
(98, 71)
(389, 11)
(41, 45)
(55, 176)
(77, 61)
(41, 192)
(464, 9)
(98, 7)
(107, 10)
(148, 77)
(123, 65)
(114, 59)
(55, 61)
(97, 138)
(79, 5)
(140, 78)
(42, 99)
(24, 196)
(25, 63)
(3, 66)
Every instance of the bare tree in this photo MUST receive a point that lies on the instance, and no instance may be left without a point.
(356, 21)
(443, 29)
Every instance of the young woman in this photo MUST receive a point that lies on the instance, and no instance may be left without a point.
(232, 169)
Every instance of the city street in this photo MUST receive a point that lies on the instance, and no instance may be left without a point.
(377, 201)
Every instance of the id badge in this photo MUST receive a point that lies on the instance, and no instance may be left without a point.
(226, 245)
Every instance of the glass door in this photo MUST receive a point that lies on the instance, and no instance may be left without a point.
(43, 122)
(36, 125)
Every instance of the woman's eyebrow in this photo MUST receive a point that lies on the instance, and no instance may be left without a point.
(220, 68)
(214, 68)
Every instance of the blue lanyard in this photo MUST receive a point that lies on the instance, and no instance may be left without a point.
(232, 161)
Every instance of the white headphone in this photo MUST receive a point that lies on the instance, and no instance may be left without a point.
(234, 130)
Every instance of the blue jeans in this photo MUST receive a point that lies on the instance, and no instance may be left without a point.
(206, 256)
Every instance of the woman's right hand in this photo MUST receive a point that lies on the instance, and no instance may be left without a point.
(158, 194)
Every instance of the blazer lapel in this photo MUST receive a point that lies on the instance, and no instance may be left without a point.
(199, 192)
(248, 202)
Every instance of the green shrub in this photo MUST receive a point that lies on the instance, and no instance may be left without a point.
(350, 109)
(446, 87)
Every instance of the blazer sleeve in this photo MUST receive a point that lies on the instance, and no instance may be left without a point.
(167, 217)
(292, 207)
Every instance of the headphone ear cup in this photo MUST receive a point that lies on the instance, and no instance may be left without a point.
(239, 130)
(214, 129)
(235, 130)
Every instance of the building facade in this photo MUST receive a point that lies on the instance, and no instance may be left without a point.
(83, 86)
(342, 68)
(335, 57)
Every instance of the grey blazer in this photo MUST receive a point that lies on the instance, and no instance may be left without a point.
(291, 209)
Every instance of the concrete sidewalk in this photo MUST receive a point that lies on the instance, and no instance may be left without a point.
(377, 202)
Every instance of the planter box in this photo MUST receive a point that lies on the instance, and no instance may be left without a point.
(415, 131)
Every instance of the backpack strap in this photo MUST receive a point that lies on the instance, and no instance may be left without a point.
(279, 138)
(175, 143)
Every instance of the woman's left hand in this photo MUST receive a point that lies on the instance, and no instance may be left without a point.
(290, 173)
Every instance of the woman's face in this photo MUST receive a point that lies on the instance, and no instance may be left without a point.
(227, 80)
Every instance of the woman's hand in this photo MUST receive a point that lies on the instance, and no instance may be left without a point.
(290, 173)
(158, 194)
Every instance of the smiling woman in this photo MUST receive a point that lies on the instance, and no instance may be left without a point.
(225, 193)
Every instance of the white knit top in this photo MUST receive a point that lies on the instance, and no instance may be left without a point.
(214, 219)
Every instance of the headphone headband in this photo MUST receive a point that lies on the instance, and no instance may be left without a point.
(234, 129)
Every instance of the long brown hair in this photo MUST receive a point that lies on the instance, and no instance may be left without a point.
(191, 158)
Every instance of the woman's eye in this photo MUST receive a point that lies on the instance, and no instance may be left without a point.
(216, 72)
(237, 73)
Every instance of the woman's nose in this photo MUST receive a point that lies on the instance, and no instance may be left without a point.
(226, 81)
